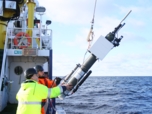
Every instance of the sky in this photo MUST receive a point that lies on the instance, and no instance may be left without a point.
(71, 22)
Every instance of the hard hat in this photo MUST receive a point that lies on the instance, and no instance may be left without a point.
(45, 66)
(39, 68)
(29, 73)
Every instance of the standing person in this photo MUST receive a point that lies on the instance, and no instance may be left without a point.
(42, 79)
(31, 93)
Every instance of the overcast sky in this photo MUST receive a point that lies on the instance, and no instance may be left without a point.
(71, 22)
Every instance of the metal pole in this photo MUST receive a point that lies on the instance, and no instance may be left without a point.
(40, 30)
(50, 77)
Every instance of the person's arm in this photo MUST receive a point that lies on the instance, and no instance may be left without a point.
(54, 92)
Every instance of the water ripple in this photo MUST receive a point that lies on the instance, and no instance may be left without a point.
(111, 95)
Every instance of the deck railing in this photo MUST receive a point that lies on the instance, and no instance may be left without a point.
(19, 38)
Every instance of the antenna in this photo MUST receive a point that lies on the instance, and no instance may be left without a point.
(125, 16)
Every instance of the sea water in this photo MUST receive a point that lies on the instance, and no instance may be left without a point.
(111, 95)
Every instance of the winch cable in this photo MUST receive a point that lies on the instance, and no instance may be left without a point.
(91, 33)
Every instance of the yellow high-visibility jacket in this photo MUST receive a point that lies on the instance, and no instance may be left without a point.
(31, 94)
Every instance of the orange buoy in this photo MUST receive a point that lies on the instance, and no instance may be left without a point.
(18, 36)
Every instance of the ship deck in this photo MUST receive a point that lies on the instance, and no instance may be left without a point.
(10, 109)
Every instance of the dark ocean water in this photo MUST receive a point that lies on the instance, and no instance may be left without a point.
(111, 95)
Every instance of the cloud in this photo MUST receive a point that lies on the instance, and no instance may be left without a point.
(67, 12)
(120, 65)
(79, 41)
(102, 29)
(150, 46)
(64, 64)
(81, 12)
(133, 37)
(131, 58)
(138, 8)
(75, 12)
(127, 65)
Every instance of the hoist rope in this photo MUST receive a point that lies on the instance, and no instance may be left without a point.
(91, 33)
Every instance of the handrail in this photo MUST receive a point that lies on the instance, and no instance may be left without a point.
(4, 61)
(36, 34)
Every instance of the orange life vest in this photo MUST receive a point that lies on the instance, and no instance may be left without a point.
(47, 82)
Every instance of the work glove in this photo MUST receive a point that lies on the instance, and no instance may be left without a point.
(57, 80)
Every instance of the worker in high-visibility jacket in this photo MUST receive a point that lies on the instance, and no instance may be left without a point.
(42, 79)
(31, 93)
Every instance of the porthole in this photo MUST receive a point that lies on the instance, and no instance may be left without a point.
(18, 70)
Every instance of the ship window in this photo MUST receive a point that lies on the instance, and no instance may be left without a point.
(18, 70)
